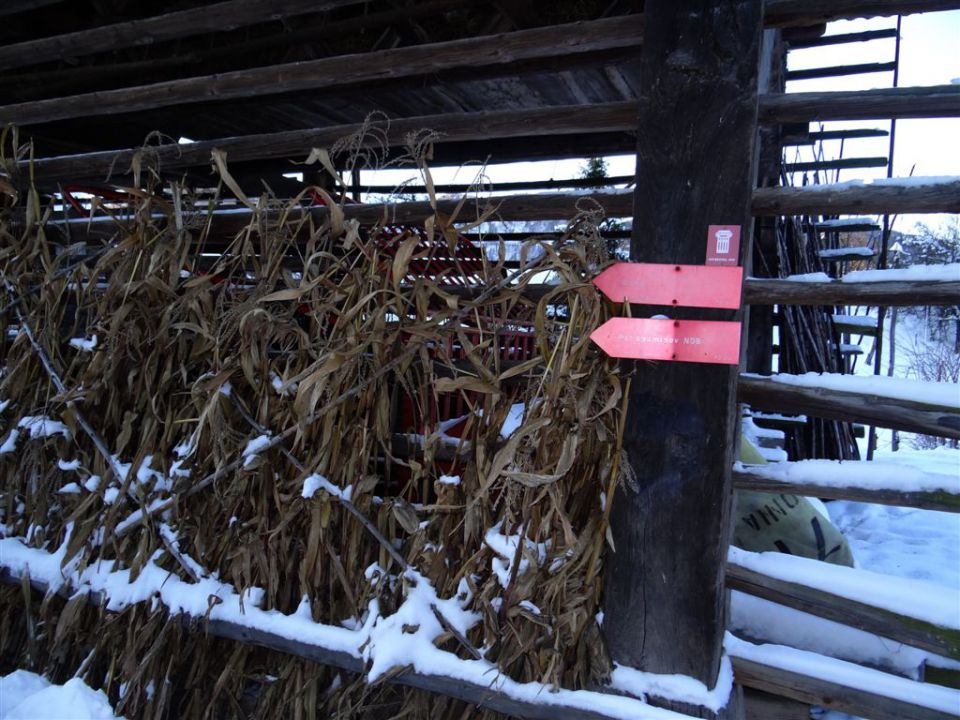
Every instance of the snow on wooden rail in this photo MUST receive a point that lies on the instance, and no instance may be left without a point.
(882, 104)
(877, 482)
(885, 196)
(915, 613)
(838, 685)
(909, 405)
(391, 652)
(764, 291)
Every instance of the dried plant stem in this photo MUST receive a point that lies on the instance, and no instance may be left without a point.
(91, 433)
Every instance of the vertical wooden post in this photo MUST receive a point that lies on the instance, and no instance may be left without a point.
(665, 603)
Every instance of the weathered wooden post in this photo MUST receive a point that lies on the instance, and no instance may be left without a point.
(665, 603)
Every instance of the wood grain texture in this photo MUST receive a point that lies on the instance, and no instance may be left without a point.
(858, 199)
(883, 104)
(219, 17)
(899, 627)
(800, 13)
(943, 501)
(906, 415)
(830, 695)
(503, 51)
(664, 598)
(763, 291)
(482, 695)
(449, 127)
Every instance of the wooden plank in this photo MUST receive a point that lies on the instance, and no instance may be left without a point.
(763, 291)
(831, 695)
(218, 17)
(764, 706)
(809, 138)
(664, 592)
(503, 51)
(842, 199)
(883, 104)
(485, 695)
(901, 627)
(756, 479)
(12, 7)
(506, 186)
(849, 163)
(800, 13)
(842, 38)
(450, 127)
(840, 70)
(907, 415)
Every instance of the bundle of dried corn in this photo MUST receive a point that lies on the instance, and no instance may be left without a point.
(293, 426)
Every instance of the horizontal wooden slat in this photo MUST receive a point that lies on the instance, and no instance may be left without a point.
(12, 7)
(910, 416)
(762, 478)
(218, 17)
(800, 13)
(842, 38)
(840, 70)
(809, 138)
(829, 694)
(762, 291)
(882, 104)
(485, 695)
(901, 627)
(450, 127)
(346, 71)
(849, 163)
(843, 199)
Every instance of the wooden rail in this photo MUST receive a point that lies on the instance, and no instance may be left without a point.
(882, 104)
(901, 627)
(487, 695)
(503, 51)
(450, 127)
(910, 416)
(219, 17)
(459, 127)
(872, 199)
(770, 479)
(813, 690)
(800, 13)
(763, 291)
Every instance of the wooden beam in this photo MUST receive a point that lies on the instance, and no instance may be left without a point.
(450, 128)
(12, 7)
(829, 694)
(874, 199)
(903, 102)
(502, 51)
(507, 186)
(800, 13)
(849, 163)
(840, 71)
(763, 291)
(484, 695)
(903, 628)
(842, 38)
(757, 480)
(809, 138)
(664, 599)
(910, 416)
(218, 17)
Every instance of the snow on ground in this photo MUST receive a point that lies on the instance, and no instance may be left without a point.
(27, 696)
(906, 542)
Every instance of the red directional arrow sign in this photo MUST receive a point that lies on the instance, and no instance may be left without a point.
(680, 285)
(705, 341)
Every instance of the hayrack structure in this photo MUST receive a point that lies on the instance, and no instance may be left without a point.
(278, 443)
